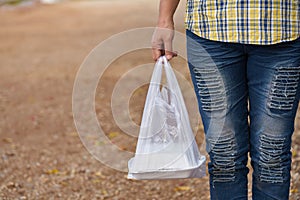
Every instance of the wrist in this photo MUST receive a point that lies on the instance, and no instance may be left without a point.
(166, 22)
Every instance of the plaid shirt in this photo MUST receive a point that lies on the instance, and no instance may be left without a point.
(244, 21)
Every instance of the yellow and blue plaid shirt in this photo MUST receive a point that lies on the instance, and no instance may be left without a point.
(260, 22)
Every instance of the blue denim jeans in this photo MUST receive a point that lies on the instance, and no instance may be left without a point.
(248, 97)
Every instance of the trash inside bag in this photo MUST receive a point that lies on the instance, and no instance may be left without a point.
(166, 147)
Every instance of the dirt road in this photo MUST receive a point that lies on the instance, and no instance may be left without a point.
(42, 157)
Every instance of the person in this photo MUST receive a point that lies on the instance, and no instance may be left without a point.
(241, 52)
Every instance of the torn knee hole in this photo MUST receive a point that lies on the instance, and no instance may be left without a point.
(210, 89)
(284, 88)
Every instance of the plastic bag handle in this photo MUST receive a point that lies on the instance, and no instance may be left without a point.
(172, 82)
(156, 75)
(154, 88)
(175, 88)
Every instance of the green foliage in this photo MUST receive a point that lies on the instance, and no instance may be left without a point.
(11, 2)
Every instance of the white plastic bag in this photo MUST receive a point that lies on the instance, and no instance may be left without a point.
(166, 145)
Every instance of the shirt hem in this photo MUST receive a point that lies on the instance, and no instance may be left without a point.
(271, 42)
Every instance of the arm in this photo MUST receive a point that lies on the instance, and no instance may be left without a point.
(164, 33)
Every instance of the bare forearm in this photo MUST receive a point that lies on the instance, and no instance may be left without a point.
(167, 9)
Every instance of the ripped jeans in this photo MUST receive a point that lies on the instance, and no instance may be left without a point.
(228, 76)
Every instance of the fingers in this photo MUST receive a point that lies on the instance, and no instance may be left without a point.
(169, 50)
(156, 52)
(157, 44)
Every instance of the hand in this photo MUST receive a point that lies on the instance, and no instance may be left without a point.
(162, 41)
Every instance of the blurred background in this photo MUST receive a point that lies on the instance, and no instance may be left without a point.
(42, 45)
